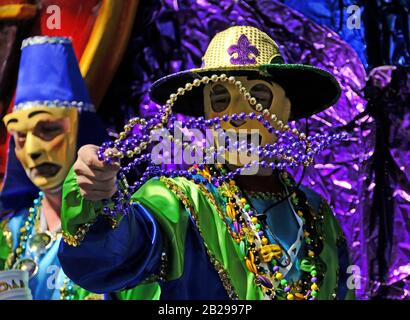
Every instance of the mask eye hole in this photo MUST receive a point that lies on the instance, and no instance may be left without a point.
(263, 95)
(220, 98)
(20, 138)
(48, 130)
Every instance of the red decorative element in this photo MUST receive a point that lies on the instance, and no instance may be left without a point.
(77, 20)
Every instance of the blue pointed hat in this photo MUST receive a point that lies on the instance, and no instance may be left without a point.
(49, 75)
(50, 61)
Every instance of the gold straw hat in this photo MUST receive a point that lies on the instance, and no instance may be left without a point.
(247, 51)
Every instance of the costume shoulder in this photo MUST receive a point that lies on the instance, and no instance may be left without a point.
(160, 197)
(166, 200)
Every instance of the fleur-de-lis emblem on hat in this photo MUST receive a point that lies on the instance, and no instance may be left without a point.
(246, 52)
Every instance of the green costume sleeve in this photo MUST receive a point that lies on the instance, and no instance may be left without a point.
(75, 210)
(172, 218)
(5, 245)
(333, 235)
(146, 291)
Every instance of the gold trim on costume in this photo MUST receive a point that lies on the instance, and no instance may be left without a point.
(94, 296)
(76, 239)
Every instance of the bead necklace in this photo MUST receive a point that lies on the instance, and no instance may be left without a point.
(28, 226)
(40, 242)
(153, 170)
(130, 145)
(291, 149)
(264, 195)
(263, 258)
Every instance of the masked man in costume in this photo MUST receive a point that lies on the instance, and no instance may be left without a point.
(208, 233)
(51, 118)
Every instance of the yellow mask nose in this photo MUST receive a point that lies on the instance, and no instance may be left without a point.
(33, 147)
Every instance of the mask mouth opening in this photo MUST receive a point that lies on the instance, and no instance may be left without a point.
(46, 169)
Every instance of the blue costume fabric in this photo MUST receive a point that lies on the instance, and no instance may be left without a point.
(50, 278)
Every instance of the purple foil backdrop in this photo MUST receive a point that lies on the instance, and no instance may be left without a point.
(174, 37)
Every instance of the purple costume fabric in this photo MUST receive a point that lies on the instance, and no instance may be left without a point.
(243, 49)
(172, 35)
